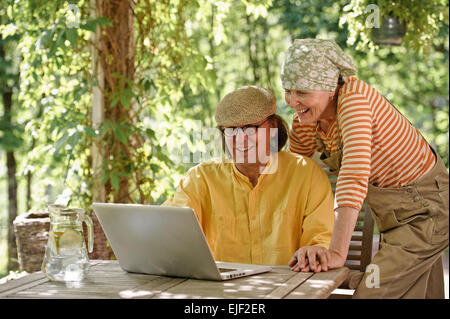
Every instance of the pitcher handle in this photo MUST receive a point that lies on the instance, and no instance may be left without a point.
(90, 230)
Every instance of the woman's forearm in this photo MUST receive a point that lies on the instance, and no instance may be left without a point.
(344, 223)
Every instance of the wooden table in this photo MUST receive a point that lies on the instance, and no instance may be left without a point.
(107, 280)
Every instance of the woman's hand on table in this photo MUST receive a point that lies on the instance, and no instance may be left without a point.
(310, 258)
(315, 258)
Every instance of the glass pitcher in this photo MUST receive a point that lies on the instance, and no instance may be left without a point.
(66, 258)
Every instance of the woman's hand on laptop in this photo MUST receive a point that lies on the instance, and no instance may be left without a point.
(310, 258)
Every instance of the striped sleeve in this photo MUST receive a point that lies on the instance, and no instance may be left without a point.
(355, 123)
(302, 138)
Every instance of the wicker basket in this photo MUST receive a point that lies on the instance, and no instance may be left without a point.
(31, 230)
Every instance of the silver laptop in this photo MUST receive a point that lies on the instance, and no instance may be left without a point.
(164, 241)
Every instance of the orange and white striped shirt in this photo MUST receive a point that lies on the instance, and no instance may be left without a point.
(379, 145)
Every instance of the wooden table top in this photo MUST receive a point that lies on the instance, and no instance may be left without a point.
(107, 280)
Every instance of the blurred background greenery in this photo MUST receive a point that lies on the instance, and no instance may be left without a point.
(182, 56)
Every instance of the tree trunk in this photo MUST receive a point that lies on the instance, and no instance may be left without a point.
(12, 190)
(11, 171)
(112, 61)
(113, 56)
(267, 60)
(29, 173)
(117, 56)
(251, 50)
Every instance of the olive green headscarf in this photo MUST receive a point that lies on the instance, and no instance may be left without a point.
(315, 65)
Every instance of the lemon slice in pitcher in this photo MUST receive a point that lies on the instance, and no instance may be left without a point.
(52, 245)
(70, 239)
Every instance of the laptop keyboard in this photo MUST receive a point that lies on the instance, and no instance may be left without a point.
(226, 270)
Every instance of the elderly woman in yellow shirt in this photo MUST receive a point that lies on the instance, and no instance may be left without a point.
(258, 204)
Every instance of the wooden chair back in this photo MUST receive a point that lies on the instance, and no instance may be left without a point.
(361, 244)
(360, 250)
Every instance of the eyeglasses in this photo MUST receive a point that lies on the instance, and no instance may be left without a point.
(248, 130)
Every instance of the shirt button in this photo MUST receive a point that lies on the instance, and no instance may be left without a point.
(416, 198)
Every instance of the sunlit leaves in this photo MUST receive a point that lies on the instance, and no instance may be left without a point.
(188, 55)
(424, 20)
(91, 25)
(10, 136)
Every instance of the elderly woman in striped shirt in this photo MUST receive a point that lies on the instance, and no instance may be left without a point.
(378, 156)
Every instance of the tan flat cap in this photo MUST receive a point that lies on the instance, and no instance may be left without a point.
(245, 105)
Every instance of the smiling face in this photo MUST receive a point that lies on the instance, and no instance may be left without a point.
(311, 106)
(251, 144)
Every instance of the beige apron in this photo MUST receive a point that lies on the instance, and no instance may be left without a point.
(413, 225)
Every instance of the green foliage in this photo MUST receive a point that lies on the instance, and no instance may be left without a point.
(10, 131)
(10, 136)
(188, 55)
(56, 85)
(423, 20)
(53, 97)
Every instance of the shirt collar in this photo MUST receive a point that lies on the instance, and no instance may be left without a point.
(270, 168)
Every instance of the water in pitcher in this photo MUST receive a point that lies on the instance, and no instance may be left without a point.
(66, 257)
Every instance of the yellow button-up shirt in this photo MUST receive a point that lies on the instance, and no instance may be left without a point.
(291, 206)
